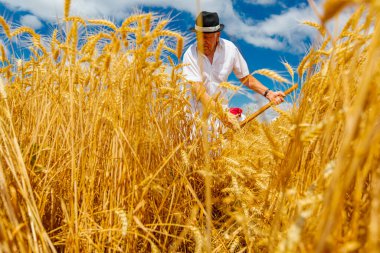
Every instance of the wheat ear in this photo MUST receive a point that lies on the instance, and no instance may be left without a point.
(271, 74)
(103, 22)
(5, 26)
(67, 8)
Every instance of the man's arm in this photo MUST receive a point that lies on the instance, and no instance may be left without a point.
(202, 96)
(213, 106)
(276, 97)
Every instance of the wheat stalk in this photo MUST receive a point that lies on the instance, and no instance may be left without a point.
(103, 22)
(76, 19)
(102, 129)
(66, 10)
(5, 26)
(26, 30)
(271, 74)
(289, 68)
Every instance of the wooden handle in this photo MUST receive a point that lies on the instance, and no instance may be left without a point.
(265, 107)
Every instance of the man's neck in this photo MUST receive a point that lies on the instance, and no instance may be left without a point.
(211, 56)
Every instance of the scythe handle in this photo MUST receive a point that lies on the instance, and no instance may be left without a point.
(265, 107)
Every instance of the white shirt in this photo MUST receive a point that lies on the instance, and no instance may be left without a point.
(227, 58)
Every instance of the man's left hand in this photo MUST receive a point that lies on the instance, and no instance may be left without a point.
(277, 97)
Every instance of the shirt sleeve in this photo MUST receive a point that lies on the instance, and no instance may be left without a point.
(240, 67)
(191, 70)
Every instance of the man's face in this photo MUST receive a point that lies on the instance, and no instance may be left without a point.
(209, 41)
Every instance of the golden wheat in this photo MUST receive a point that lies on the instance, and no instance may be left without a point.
(100, 151)
(76, 19)
(66, 9)
(103, 22)
(271, 74)
(5, 26)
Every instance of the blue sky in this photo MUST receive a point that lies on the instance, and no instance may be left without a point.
(265, 31)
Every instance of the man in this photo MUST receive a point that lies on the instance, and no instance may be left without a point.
(210, 61)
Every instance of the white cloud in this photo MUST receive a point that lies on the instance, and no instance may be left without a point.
(261, 2)
(31, 21)
(51, 10)
(279, 32)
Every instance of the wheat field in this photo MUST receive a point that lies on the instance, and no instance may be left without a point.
(99, 152)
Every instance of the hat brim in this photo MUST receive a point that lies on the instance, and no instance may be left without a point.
(219, 30)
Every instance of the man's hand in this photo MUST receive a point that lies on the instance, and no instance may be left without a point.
(230, 120)
(277, 97)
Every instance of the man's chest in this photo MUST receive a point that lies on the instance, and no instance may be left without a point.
(219, 69)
